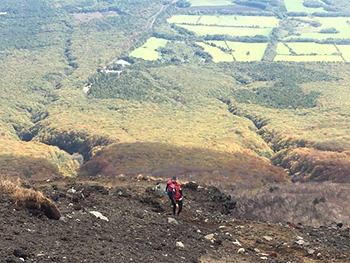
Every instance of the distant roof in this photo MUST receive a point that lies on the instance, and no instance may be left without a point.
(122, 62)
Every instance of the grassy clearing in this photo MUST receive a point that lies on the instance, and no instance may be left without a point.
(231, 31)
(345, 50)
(218, 55)
(308, 58)
(148, 50)
(282, 49)
(210, 2)
(247, 51)
(312, 48)
(297, 6)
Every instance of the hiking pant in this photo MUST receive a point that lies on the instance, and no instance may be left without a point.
(180, 207)
(172, 198)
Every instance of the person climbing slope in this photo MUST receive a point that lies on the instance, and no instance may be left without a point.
(174, 192)
(178, 200)
(170, 187)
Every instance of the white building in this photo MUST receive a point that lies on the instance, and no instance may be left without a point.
(123, 63)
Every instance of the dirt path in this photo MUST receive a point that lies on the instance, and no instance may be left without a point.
(152, 19)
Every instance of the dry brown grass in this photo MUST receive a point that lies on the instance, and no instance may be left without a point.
(313, 204)
(33, 200)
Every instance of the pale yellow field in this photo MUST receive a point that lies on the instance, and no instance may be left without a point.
(328, 58)
(345, 50)
(232, 31)
(218, 55)
(312, 48)
(247, 51)
(282, 49)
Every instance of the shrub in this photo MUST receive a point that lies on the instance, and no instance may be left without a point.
(31, 199)
(278, 97)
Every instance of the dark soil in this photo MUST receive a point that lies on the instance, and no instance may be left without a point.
(138, 229)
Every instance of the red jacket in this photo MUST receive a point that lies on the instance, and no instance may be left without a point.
(170, 186)
(178, 192)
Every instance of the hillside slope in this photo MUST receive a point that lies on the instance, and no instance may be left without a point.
(246, 122)
(138, 228)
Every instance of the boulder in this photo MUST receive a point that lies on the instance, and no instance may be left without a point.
(172, 221)
(191, 185)
(241, 250)
(180, 245)
(160, 189)
(310, 251)
(237, 243)
(20, 253)
(209, 237)
(139, 177)
(99, 215)
(300, 242)
(267, 238)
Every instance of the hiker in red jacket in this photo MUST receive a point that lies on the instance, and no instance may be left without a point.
(174, 191)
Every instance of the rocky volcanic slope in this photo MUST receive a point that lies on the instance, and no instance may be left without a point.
(139, 228)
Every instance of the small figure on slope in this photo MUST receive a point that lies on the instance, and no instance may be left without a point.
(174, 192)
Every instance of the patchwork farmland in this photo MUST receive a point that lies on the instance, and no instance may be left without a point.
(243, 38)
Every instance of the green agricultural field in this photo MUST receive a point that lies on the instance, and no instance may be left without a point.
(239, 21)
(282, 49)
(220, 44)
(232, 31)
(246, 21)
(297, 6)
(247, 51)
(312, 48)
(217, 54)
(210, 2)
(339, 23)
(184, 19)
(148, 50)
(326, 58)
(345, 50)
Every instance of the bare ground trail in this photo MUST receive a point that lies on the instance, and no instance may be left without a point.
(138, 229)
